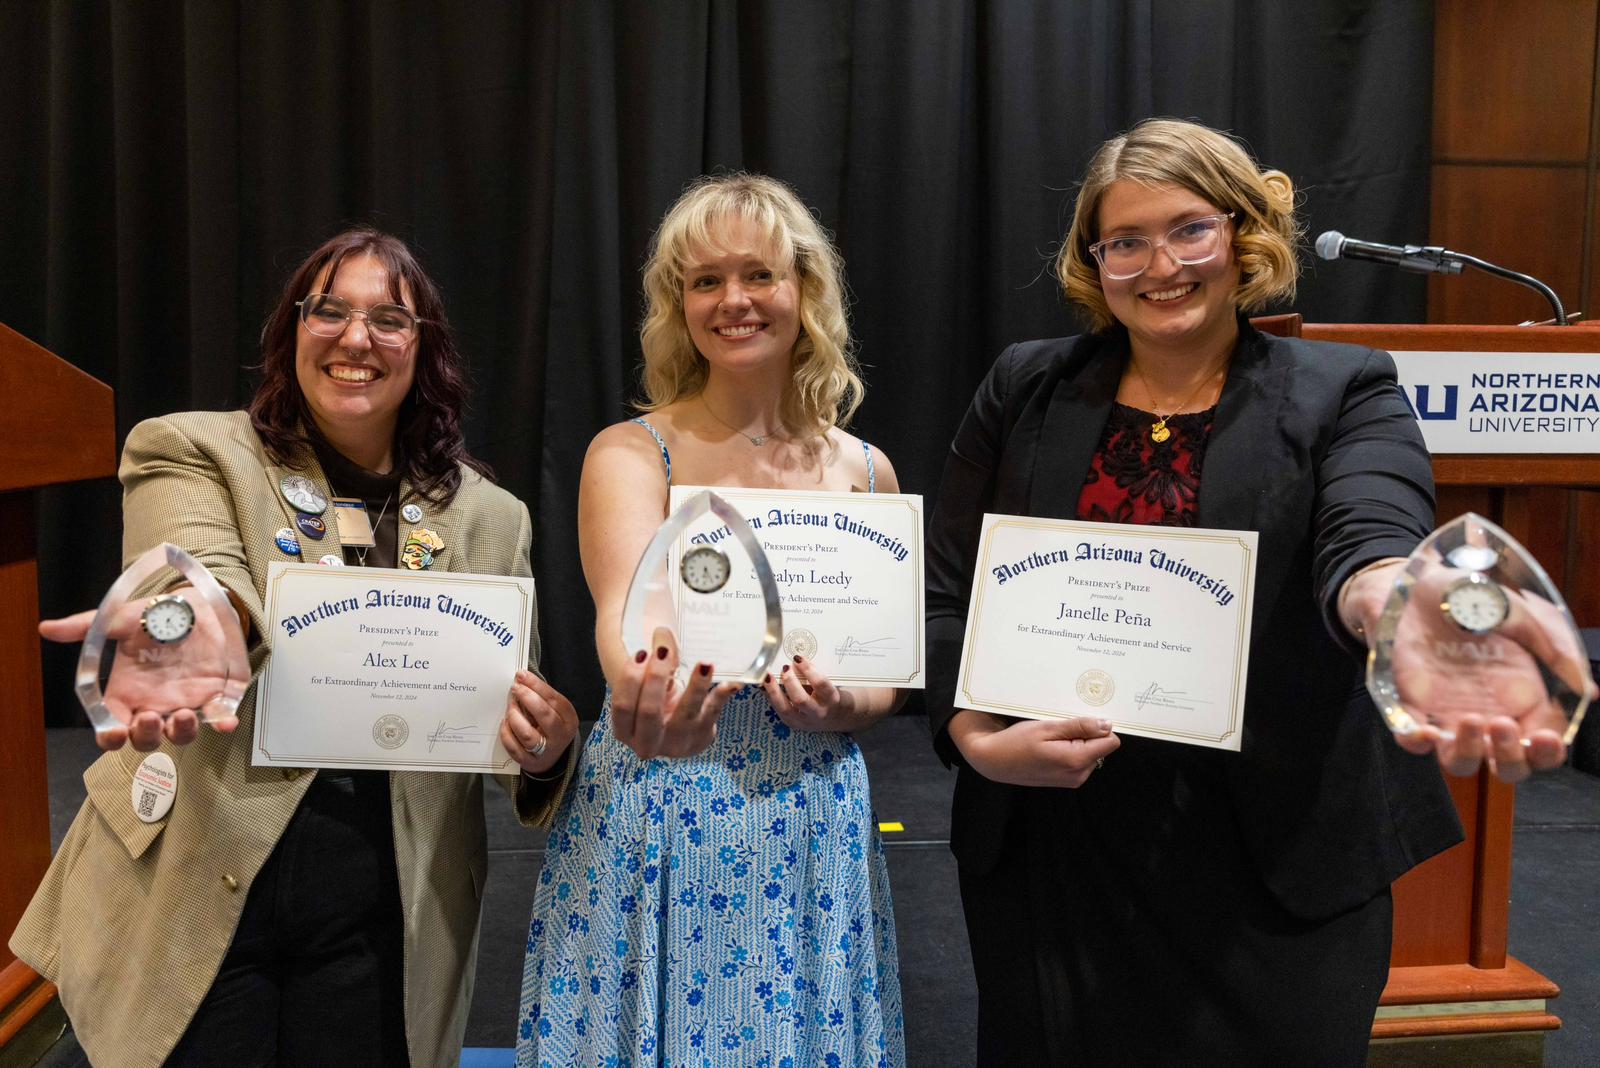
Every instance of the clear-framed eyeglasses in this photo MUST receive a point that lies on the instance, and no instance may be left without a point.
(329, 316)
(1189, 243)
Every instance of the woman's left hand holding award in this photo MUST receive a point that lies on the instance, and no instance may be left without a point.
(177, 658)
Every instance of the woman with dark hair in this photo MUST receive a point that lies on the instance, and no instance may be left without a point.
(280, 915)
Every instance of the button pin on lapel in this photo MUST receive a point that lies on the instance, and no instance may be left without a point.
(303, 494)
(155, 783)
(411, 513)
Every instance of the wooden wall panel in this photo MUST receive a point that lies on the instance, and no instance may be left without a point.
(1512, 80)
(1525, 218)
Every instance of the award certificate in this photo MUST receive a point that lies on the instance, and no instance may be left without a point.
(381, 668)
(848, 567)
(1148, 627)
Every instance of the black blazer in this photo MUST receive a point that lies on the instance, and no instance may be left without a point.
(1314, 448)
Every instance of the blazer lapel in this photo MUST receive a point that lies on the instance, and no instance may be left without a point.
(1233, 480)
(311, 550)
(1073, 422)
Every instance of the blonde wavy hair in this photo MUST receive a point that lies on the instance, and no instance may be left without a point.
(1211, 165)
(826, 388)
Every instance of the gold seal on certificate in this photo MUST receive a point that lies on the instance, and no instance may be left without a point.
(846, 569)
(705, 577)
(183, 648)
(1148, 627)
(1469, 604)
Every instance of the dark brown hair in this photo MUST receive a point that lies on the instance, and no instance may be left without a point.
(429, 446)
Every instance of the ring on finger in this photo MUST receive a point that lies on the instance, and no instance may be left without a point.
(537, 748)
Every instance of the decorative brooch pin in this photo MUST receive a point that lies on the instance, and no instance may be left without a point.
(419, 550)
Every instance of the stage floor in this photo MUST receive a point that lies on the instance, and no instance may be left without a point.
(1555, 905)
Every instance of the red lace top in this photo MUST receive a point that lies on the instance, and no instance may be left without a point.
(1133, 479)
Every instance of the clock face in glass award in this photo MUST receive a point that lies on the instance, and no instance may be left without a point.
(705, 577)
(163, 651)
(1475, 626)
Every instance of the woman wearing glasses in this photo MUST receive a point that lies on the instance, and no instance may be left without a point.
(1135, 901)
(278, 915)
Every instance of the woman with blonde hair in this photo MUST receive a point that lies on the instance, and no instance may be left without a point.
(1138, 901)
(715, 889)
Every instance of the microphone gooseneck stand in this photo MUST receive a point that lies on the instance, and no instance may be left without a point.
(1516, 276)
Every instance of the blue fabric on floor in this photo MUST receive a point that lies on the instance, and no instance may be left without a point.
(480, 1057)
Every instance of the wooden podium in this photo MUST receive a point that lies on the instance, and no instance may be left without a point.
(58, 425)
(1450, 975)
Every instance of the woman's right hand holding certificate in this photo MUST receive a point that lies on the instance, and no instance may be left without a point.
(1033, 752)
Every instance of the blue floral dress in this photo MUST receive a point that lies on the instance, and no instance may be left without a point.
(730, 908)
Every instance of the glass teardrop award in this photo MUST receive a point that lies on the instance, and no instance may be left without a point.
(183, 648)
(705, 577)
(1474, 626)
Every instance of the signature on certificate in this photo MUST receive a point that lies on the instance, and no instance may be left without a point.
(1155, 694)
(468, 734)
(863, 647)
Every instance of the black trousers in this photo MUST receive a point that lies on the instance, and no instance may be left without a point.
(315, 973)
(1125, 923)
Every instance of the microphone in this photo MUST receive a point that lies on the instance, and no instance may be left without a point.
(1423, 259)
(1429, 259)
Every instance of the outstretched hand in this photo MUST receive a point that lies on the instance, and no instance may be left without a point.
(155, 691)
(1477, 698)
(1483, 698)
(655, 716)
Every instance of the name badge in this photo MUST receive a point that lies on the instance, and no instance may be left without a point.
(355, 526)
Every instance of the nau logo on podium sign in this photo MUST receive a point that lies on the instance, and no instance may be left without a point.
(1494, 402)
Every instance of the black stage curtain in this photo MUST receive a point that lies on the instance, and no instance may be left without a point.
(165, 164)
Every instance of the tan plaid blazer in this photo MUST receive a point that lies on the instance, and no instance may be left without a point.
(132, 920)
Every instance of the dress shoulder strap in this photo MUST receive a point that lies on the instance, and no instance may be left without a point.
(666, 457)
(872, 476)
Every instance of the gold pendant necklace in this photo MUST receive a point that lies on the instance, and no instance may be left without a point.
(1159, 431)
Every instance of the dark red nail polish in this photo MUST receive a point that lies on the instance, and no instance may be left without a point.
(638, 658)
(705, 669)
(661, 652)
(798, 659)
(786, 667)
